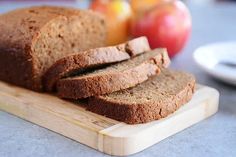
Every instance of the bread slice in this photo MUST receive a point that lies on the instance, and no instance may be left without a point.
(81, 61)
(154, 99)
(32, 39)
(113, 78)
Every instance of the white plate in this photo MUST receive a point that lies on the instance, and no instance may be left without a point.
(210, 58)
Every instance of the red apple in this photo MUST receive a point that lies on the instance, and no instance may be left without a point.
(166, 25)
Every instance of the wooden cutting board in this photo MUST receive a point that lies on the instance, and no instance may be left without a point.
(101, 133)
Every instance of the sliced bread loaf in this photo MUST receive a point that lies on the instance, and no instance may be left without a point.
(115, 77)
(32, 39)
(81, 61)
(154, 99)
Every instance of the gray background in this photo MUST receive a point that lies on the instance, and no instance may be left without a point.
(215, 136)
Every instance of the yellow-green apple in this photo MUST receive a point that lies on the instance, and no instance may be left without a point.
(117, 14)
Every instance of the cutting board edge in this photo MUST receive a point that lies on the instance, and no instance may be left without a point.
(131, 144)
(105, 141)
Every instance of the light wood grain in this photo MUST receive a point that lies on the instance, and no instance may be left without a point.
(102, 133)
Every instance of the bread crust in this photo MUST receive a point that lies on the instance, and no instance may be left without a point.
(81, 61)
(135, 112)
(21, 29)
(113, 80)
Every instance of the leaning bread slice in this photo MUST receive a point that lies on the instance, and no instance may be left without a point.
(154, 99)
(115, 77)
(81, 61)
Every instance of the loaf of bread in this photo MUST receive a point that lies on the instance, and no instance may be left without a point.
(93, 58)
(49, 47)
(156, 98)
(32, 39)
(115, 77)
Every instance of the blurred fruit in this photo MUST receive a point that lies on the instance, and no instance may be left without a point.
(117, 14)
(168, 25)
(141, 6)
